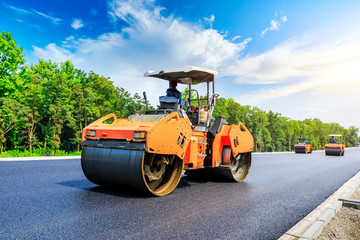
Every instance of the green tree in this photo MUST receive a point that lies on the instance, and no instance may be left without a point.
(235, 111)
(220, 108)
(55, 97)
(289, 131)
(257, 124)
(32, 101)
(275, 129)
(12, 114)
(82, 100)
(352, 135)
(11, 60)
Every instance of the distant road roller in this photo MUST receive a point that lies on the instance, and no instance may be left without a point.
(335, 146)
(150, 152)
(303, 146)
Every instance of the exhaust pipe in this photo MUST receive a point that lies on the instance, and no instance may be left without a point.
(144, 93)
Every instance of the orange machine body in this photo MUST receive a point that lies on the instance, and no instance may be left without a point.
(335, 149)
(150, 152)
(303, 147)
(335, 146)
(237, 137)
(172, 135)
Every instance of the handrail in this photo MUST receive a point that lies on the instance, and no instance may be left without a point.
(101, 120)
(212, 106)
(198, 98)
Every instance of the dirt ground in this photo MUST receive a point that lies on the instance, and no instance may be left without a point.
(345, 225)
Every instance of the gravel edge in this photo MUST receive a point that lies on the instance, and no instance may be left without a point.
(312, 225)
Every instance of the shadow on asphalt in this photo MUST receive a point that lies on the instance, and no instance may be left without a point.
(116, 191)
(206, 175)
(187, 180)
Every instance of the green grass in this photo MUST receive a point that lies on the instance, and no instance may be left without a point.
(36, 153)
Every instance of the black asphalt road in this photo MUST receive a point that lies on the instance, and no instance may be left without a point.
(53, 200)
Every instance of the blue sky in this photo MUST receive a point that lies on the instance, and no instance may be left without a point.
(299, 58)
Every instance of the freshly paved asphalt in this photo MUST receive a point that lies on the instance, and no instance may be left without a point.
(53, 200)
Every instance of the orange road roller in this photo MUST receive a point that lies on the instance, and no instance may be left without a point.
(150, 152)
(335, 146)
(303, 146)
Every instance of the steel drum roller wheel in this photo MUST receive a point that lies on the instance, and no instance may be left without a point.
(149, 173)
(240, 166)
(162, 173)
(300, 150)
(333, 152)
(238, 169)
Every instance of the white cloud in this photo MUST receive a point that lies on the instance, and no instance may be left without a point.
(157, 10)
(69, 38)
(58, 54)
(293, 72)
(54, 20)
(151, 41)
(67, 42)
(32, 12)
(300, 76)
(235, 38)
(261, 96)
(274, 26)
(297, 58)
(77, 24)
(17, 10)
(210, 20)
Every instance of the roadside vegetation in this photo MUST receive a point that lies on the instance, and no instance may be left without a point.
(44, 107)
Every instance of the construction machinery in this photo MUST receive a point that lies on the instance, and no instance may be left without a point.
(303, 146)
(150, 152)
(335, 146)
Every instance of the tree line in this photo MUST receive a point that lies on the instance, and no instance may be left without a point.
(274, 132)
(45, 106)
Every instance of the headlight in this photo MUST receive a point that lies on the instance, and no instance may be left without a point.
(90, 133)
(139, 135)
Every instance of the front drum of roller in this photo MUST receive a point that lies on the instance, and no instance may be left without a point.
(148, 173)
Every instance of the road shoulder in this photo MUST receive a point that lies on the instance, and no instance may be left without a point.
(312, 225)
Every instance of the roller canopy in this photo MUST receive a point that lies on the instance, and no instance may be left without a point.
(335, 135)
(188, 75)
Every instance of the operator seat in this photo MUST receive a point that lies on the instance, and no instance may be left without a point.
(167, 102)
